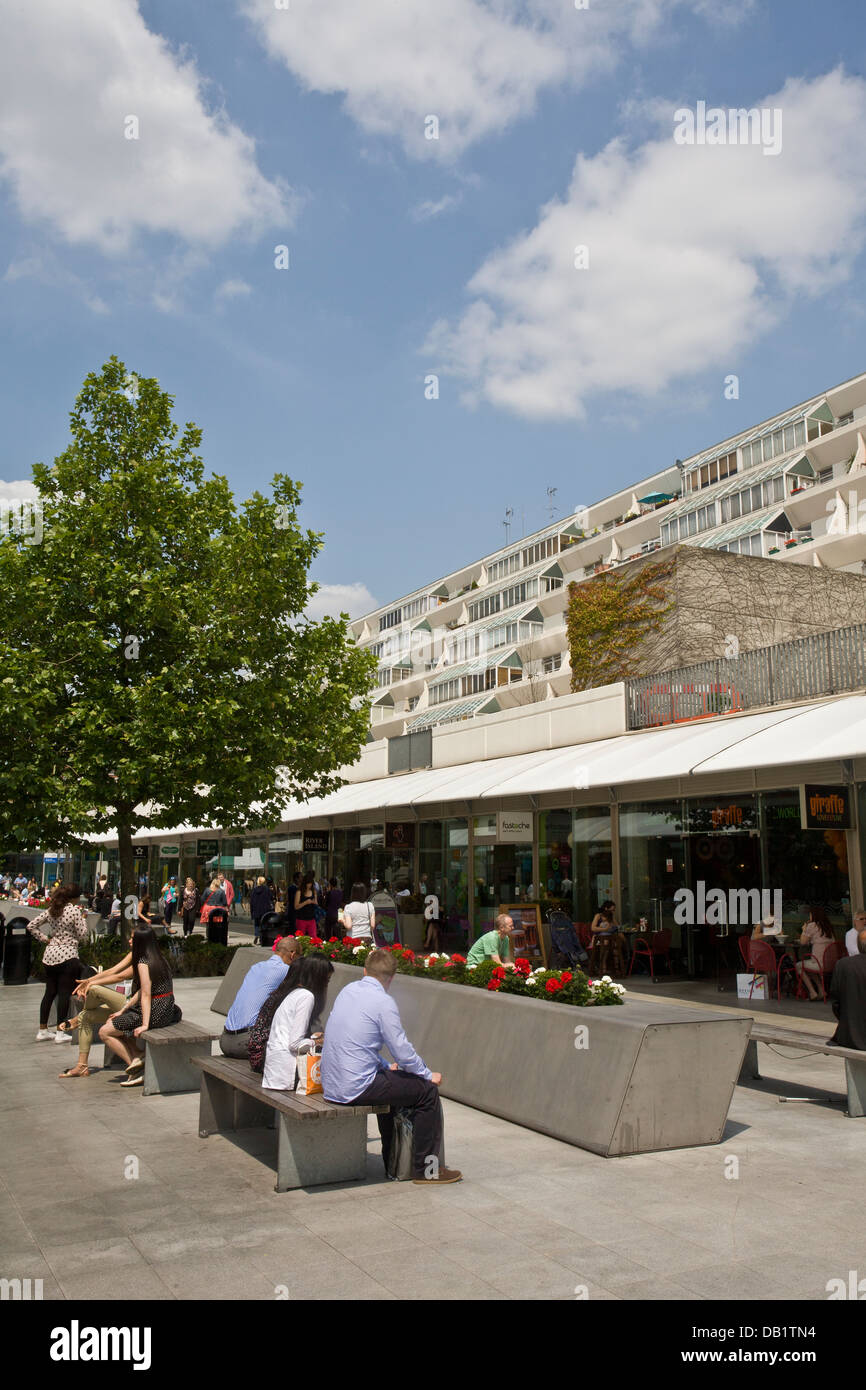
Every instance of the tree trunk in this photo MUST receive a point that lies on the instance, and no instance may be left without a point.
(128, 886)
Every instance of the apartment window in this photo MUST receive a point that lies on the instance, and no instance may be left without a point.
(412, 702)
(390, 619)
(376, 648)
(500, 568)
(550, 583)
(481, 681)
(551, 664)
(484, 607)
(825, 475)
(518, 593)
(447, 690)
(416, 607)
(534, 554)
(383, 678)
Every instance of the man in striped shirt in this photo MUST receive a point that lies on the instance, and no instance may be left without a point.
(261, 980)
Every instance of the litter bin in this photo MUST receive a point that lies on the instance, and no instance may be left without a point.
(16, 952)
(270, 928)
(218, 926)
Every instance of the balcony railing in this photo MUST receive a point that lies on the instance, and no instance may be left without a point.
(827, 663)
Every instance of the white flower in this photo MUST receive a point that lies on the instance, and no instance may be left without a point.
(444, 957)
(434, 955)
(356, 949)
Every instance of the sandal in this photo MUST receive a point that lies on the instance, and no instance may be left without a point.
(74, 1071)
(69, 1024)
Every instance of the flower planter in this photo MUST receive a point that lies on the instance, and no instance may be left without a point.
(645, 1077)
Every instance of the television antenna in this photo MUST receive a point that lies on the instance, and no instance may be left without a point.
(552, 508)
(509, 513)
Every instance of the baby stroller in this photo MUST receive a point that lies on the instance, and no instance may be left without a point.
(566, 949)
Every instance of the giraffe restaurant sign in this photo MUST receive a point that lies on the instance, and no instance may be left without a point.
(826, 808)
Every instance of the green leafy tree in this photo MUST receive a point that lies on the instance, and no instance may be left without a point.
(156, 666)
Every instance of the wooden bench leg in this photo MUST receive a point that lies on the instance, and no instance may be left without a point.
(311, 1152)
(749, 1070)
(855, 1076)
(168, 1070)
(216, 1106)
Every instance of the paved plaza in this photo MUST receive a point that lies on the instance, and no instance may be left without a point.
(533, 1218)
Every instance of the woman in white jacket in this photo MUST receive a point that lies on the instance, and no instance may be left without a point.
(299, 1002)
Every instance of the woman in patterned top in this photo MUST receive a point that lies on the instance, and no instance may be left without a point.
(151, 1006)
(68, 925)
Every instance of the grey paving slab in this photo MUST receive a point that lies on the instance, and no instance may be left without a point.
(202, 1219)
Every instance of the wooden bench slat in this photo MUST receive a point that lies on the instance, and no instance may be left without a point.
(177, 1033)
(237, 1073)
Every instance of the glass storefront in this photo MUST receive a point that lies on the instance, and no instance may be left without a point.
(502, 874)
(359, 856)
(809, 866)
(443, 869)
(575, 860)
(652, 863)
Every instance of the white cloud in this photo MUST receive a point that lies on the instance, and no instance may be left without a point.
(70, 76)
(423, 212)
(232, 289)
(21, 490)
(694, 253)
(47, 269)
(334, 599)
(477, 65)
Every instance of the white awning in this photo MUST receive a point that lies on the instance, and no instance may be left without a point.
(827, 730)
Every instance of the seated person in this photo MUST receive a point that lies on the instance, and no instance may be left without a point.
(365, 1019)
(848, 997)
(493, 945)
(293, 1007)
(260, 981)
(100, 1001)
(859, 924)
(766, 927)
(152, 1005)
(607, 938)
(819, 934)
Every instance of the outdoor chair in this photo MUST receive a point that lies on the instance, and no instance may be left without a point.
(657, 943)
(763, 961)
(832, 955)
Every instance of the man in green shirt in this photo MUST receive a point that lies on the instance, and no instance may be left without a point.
(493, 945)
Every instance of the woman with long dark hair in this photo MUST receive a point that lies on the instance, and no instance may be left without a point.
(818, 933)
(67, 926)
(306, 905)
(293, 1014)
(151, 1005)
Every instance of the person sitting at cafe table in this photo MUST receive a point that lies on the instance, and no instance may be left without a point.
(819, 934)
(766, 927)
(607, 937)
(493, 945)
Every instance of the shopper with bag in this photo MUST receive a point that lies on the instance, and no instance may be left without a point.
(191, 906)
(365, 1019)
(299, 1001)
(214, 897)
(359, 915)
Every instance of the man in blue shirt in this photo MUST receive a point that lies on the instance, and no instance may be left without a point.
(363, 1020)
(260, 980)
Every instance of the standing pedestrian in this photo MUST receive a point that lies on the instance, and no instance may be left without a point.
(261, 903)
(169, 901)
(191, 905)
(67, 927)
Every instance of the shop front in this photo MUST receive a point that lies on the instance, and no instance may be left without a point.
(502, 864)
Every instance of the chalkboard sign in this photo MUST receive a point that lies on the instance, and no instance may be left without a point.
(527, 919)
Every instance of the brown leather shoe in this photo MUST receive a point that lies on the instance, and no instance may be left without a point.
(444, 1175)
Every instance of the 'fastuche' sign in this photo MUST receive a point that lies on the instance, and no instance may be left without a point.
(826, 808)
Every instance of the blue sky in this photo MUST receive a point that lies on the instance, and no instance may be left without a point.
(408, 256)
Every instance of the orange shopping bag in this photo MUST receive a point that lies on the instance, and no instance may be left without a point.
(310, 1073)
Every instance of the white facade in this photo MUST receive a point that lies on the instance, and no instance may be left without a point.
(492, 635)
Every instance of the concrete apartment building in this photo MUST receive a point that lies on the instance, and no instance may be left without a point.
(491, 636)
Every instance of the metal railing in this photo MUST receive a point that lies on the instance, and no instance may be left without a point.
(827, 663)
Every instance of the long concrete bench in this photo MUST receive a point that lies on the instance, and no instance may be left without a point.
(169, 1057)
(636, 1078)
(317, 1142)
(855, 1062)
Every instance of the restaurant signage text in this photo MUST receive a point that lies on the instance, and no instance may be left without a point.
(316, 841)
(826, 808)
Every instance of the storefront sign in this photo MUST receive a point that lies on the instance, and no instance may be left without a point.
(722, 818)
(826, 808)
(207, 849)
(514, 827)
(316, 841)
(169, 851)
(400, 835)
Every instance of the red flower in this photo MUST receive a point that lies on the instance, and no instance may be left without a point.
(299, 932)
(459, 960)
(566, 976)
(553, 987)
(333, 938)
(276, 943)
(498, 973)
(493, 984)
(316, 941)
(522, 966)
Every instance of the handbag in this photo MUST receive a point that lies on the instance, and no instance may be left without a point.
(400, 1152)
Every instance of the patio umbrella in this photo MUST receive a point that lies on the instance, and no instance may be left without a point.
(657, 497)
